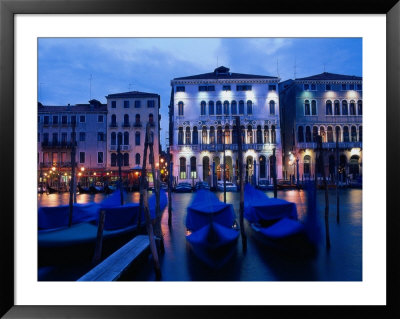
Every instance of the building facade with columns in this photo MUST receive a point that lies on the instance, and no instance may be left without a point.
(55, 136)
(328, 105)
(128, 115)
(202, 115)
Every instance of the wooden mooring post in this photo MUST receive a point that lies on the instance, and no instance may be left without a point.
(72, 185)
(99, 239)
(144, 207)
(156, 186)
(224, 167)
(121, 188)
(241, 182)
(325, 184)
(169, 188)
(274, 173)
(337, 177)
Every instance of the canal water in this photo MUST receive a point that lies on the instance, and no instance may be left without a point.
(343, 262)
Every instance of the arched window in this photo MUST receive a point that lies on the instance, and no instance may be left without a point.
(249, 107)
(354, 166)
(126, 138)
(137, 138)
(306, 165)
(360, 133)
(113, 138)
(187, 136)
(204, 135)
(113, 159)
(330, 134)
(137, 159)
(211, 108)
(119, 138)
(151, 119)
(337, 107)
(233, 108)
(180, 136)
(314, 134)
(313, 107)
(182, 168)
(227, 134)
(219, 108)
(300, 134)
(195, 139)
(126, 159)
(263, 162)
(266, 134)
(219, 135)
(273, 134)
(203, 108)
(308, 134)
(272, 107)
(226, 108)
(249, 134)
(126, 120)
(359, 107)
(259, 135)
(137, 119)
(206, 167)
(337, 136)
(234, 135)
(212, 135)
(345, 110)
(180, 108)
(353, 134)
(113, 120)
(329, 107)
(322, 133)
(193, 171)
(241, 107)
(352, 108)
(307, 110)
(346, 134)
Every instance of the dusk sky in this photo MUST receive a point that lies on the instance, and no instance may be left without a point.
(65, 65)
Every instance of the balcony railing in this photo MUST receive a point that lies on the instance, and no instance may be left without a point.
(126, 124)
(122, 148)
(330, 145)
(113, 125)
(57, 144)
(220, 147)
(137, 124)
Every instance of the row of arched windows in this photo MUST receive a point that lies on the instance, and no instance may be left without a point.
(226, 108)
(123, 139)
(208, 136)
(126, 119)
(124, 159)
(344, 134)
(337, 108)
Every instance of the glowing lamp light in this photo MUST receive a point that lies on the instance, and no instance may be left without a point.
(108, 173)
(65, 174)
(79, 174)
(94, 174)
(53, 168)
(45, 174)
(162, 171)
(136, 173)
(162, 160)
(82, 168)
(157, 164)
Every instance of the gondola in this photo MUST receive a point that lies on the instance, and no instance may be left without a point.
(274, 223)
(211, 233)
(83, 190)
(51, 190)
(183, 188)
(60, 244)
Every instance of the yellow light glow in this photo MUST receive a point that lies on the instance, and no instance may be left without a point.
(157, 164)
(82, 168)
(79, 174)
(53, 168)
(355, 151)
(162, 160)
(108, 173)
(65, 174)
(45, 174)
(94, 173)
(162, 171)
(136, 173)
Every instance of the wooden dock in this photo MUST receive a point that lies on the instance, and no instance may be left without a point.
(116, 264)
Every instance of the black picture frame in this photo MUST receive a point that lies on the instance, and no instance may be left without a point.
(8, 10)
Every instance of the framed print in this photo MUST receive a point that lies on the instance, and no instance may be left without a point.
(284, 85)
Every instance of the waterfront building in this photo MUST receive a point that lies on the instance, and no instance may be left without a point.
(55, 136)
(128, 115)
(202, 116)
(328, 105)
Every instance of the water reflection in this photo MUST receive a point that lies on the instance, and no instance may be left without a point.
(342, 263)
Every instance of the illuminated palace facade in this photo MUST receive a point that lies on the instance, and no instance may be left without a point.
(326, 104)
(128, 115)
(202, 115)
